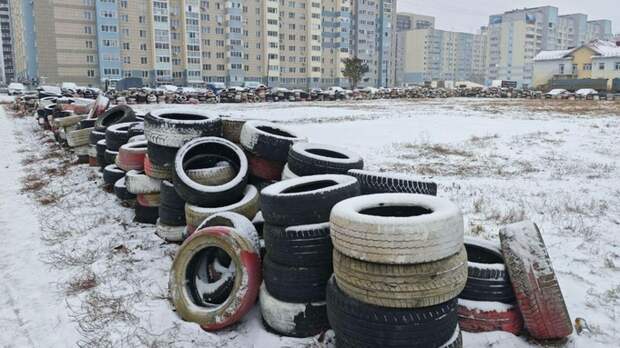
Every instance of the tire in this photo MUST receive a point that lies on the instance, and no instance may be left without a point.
(120, 190)
(295, 284)
(245, 289)
(241, 224)
(293, 319)
(247, 206)
(172, 207)
(117, 114)
(211, 196)
(151, 200)
(80, 137)
(402, 286)
(288, 174)
(101, 148)
(265, 169)
(117, 135)
(477, 316)
(534, 282)
(162, 155)
(358, 324)
(138, 183)
(222, 173)
(146, 215)
(95, 136)
(88, 123)
(136, 130)
(231, 129)
(306, 200)
(155, 171)
(487, 278)
(112, 174)
(307, 245)
(372, 183)
(397, 228)
(171, 234)
(268, 140)
(313, 159)
(175, 127)
(131, 156)
(456, 341)
(110, 157)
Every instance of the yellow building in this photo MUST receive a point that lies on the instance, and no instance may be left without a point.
(594, 60)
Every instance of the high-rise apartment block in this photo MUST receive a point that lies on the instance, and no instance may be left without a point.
(7, 63)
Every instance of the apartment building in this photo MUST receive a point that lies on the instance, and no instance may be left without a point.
(515, 37)
(480, 52)
(336, 40)
(7, 56)
(406, 22)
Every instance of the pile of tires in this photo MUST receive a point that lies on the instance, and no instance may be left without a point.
(488, 301)
(298, 261)
(399, 265)
(314, 159)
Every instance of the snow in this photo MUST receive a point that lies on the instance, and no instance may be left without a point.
(338, 181)
(484, 306)
(499, 161)
(551, 55)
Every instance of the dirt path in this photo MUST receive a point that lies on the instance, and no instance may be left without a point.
(32, 311)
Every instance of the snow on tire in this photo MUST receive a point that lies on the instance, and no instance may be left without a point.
(397, 228)
(268, 140)
(247, 206)
(306, 245)
(231, 128)
(305, 200)
(186, 285)
(138, 183)
(173, 234)
(534, 282)
(293, 319)
(117, 114)
(241, 224)
(117, 135)
(175, 127)
(203, 195)
(314, 159)
(480, 316)
(391, 183)
(120, 190)
(361, 325)
(287, 173)
(112, 174)
(402, 286)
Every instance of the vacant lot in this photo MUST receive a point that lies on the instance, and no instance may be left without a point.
(501, 161)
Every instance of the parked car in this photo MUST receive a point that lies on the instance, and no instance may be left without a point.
(557, 93)
(253, 85)
(586, 93)
(16, 88)
(216, 87)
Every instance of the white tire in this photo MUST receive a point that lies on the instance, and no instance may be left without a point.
(247, 206)
(138, 183)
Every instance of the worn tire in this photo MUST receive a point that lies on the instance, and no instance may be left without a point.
(293, 319)
(397, 228)
(295, 284)
(117, 135)
(117, 114)
(268, 140)
(112, 174)
(109, 157)
(120, 190)
(157, 172)
(162, 156)
(245, 289)
(248, 206)
(534, 282)
(95, 136)
(171, 234)
(231, 129)
(313, 159)
(241, 224)
(475, 316)
(172, 207)
(487, 278)
(359, 325)
(131, 156)
(402, 286)
(372, 183)
(211, 196)
(210, 171)
(306, 245)
(151, 200)
(306, 200)
(138, 183)
(175, 127)
(265, 169)
(146, 215)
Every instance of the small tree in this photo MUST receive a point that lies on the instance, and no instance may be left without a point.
(354, 70)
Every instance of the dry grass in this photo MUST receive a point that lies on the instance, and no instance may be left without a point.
(84, 281)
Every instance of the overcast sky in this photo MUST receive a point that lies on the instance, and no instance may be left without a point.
(469, 15)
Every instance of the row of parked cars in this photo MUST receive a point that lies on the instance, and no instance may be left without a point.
(584, 93)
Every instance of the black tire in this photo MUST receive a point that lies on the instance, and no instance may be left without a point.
(295, 284)
(172, 207)
(112, 174)
(101, 147)
(162, 156)
(211, 196)
(109, 157)
(87, 123)
(487, 278)
(358, 324)
(117, 135)
(117, 114)
(120, 190)
(313, 159)
(175, 127)
(135, 130)
(268, 140)
(96, 136)
(391, 183)
(306, 200)
(146, 215)
(308, 245)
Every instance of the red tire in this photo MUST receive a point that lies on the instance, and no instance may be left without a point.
(131, 156)
(477, 316)
(149, 200)
(154, 171)
(92, 161)
(535, 285)
(265, 169)
(246, 285)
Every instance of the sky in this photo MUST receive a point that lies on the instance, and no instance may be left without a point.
(469, 15)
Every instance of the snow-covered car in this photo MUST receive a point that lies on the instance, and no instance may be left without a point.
(69, 87)
(557, 93)
(49, 91)
(253, 85)
(586, 93)
(16, 88)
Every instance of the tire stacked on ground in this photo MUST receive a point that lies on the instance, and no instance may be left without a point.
(399, 265)
(488, 302)
(314, 159)
(147, 191)
(267, 146)
(298, 261)
(372, 183)
(98, 146)
(171, 223)
(211, 176)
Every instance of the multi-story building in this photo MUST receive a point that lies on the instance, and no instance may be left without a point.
(336, 40)
(7, 56)
(515, 37)
(406, 22)
(480, 52)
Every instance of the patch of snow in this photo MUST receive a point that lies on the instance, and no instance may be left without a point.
(485, 306)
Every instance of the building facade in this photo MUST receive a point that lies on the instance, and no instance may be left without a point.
(7, 55)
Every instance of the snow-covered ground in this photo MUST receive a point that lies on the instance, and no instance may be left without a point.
(79, 271)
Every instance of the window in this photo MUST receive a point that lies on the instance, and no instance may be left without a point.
(617, 65)
(90, 59)
(561, 69)
(601, 66)
(587, 67)
(90, 73)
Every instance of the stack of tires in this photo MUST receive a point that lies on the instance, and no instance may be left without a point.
(399, 264)
(298, 261)
(488, 302)
(267, 146)
(314, 159)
